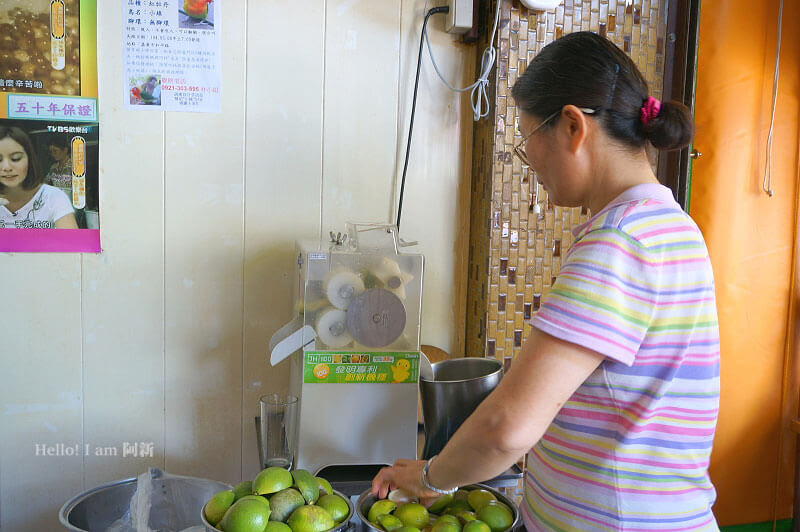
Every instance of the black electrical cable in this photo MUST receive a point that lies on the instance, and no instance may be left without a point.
(432, 11)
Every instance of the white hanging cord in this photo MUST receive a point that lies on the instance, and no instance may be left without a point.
(767, 184)
(479, 96)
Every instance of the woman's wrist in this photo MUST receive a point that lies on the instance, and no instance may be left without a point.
(430, 485)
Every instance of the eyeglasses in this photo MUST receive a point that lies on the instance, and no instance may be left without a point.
(519, 149)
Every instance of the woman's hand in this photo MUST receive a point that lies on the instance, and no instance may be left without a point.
(406, 475)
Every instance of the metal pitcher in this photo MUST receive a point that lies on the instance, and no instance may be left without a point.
(457, 388)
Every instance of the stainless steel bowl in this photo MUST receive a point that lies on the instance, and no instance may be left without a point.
(343, 526)
(97, 508)
(367, 499)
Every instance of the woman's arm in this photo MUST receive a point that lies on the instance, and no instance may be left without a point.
(67, 222)
(507, 423)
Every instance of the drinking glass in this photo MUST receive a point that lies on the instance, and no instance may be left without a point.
(278, 430)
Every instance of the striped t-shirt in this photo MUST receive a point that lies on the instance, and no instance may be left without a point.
(630, 449)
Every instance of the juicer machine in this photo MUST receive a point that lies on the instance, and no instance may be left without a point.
(354, 348)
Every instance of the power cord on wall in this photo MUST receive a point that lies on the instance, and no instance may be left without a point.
(480, 89)
(767, 184)
(479, 96)
(433, 11)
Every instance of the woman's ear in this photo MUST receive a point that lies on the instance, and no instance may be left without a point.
(577, 127)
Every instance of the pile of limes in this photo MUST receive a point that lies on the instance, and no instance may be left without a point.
(476, 510)
(278, 500)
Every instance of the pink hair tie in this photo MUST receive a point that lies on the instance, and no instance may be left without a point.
(650, 109)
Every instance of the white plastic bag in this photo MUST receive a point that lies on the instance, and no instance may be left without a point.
(163, 501)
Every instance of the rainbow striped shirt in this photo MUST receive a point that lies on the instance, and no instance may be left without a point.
(630, 449)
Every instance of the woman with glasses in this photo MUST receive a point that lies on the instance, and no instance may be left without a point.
(614, 396)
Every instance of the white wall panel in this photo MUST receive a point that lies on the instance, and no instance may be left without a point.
(286, 51)
(122, 289)
(41, 399)
(362, 46)
(203, 203)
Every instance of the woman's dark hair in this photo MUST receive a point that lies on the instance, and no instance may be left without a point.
(34, 177)
(586, 70)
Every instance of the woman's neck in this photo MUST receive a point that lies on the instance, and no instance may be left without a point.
(17, 197)
(616, 172)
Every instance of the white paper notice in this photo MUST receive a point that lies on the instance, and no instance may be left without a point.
(172, 55)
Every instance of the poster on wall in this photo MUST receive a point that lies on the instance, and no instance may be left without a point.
(49, 196)
(171, 55)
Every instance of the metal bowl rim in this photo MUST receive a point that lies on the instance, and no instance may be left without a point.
(79, 498)
(341, 526)
(503, 498)
(499, 369)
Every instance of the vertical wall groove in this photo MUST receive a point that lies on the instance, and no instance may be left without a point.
(399, 118)
(244, 229)
(322, 111)
(164, 279)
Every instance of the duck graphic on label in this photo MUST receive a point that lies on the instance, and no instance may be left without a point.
(400, 371)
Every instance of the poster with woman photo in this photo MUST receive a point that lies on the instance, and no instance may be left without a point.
(48, 126)
(49, 195)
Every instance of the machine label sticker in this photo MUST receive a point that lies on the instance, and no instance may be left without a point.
(373, 368)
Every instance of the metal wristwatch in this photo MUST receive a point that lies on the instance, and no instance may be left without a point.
(428, 484)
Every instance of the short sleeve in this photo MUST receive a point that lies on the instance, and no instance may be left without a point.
(604, 297)
(59, 204)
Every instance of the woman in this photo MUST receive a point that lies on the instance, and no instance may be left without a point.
(24, 201)
(60, 173)
(615, 394)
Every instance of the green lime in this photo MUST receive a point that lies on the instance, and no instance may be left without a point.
(245, 516)
(306, 484)
(479, 497)
(381, 507)
(272, 480)
(259, 498)
(324, 485)
(441, 503)
(476, 526)
(413, 514)
(277, 526)
(466, 516)
(217, 505)
(388, 522)
(242, 489)
(497, 515)
(310, 519)
(461, 494)
(447, 518)
(458, 505)
(335, 505)
(446, 526)
(284, 503)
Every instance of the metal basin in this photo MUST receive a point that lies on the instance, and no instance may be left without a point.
(367, 499)
(96, 509)
(343, 526)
